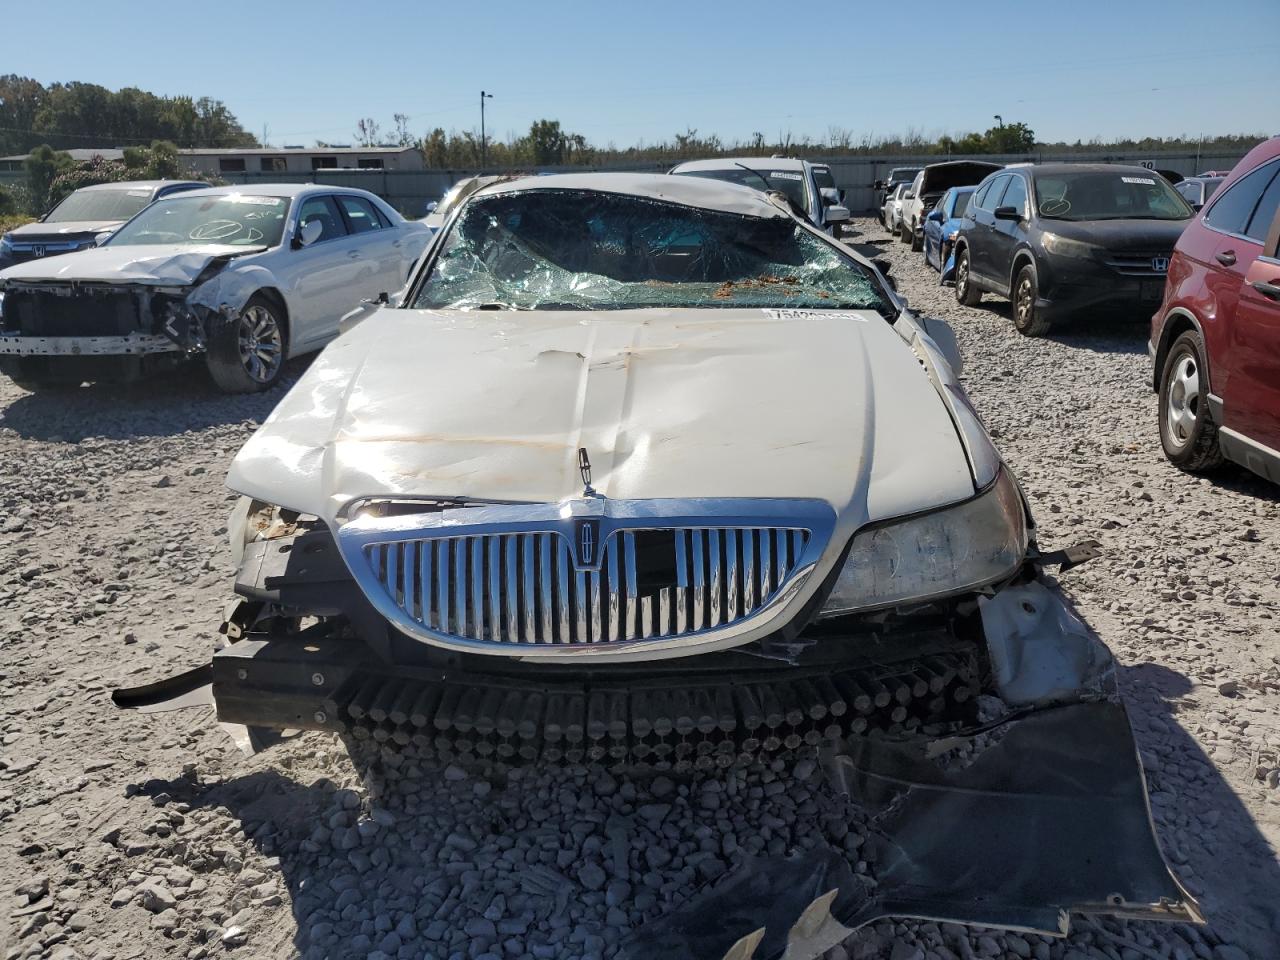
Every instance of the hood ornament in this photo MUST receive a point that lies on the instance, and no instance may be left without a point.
(584, 468)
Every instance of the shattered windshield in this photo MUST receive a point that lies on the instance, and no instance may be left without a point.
(100, 205)
(581, 250)
(235, 219)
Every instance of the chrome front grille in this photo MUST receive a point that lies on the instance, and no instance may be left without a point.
(524, 588)
(1138, 263)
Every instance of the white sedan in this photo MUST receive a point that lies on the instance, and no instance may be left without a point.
(245, 276)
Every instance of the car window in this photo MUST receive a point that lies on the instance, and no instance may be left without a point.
(994, 190)
(980, 197)
(100, 205)
(360, 214)
(1232, 210)
(823, 178)
(963, 199)
(1190, 190)
(1265, 212)
(789, 182)
(1016, 195)
(1118, 193)
(588, 250)
(326, 212)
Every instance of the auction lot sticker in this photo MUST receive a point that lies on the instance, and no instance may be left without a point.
(793, 314)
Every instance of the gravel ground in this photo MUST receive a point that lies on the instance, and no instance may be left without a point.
(129, 836)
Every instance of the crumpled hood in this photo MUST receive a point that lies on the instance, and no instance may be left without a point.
(668, 404)
(63, 230)
(160, 264)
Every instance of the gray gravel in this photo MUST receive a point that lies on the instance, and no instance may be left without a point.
(127, 836)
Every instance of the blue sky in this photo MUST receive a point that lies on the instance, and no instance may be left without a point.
(643, 71)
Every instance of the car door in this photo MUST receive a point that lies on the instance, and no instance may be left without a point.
(378, 244)
(1230, 216)
(980, 234)
(321, 275)
(1251, 405)
(1007, 235)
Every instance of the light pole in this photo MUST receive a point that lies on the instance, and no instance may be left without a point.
(483, 96)
(1000, 120)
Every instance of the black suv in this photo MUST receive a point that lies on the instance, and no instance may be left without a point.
(1059, 238)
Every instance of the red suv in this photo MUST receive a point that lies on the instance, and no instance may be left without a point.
(1215, 341)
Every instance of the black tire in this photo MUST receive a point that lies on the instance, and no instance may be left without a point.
(40, 380)
(966, 292)
(1187, 431)
(904, 232)
(247, 356)
(917, 241)
(837, 231)
(1028, 320)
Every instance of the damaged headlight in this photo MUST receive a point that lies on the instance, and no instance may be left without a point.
(948, 551)
(1066, 247)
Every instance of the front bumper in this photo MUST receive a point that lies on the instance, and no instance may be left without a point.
(1014, 821)
(131, 345)
(1070, 285)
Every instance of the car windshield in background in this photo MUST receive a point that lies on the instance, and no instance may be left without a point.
(234, 219)
(962, 203)
(1097, 195)
(582, 250)
(100, 205)
(790, 182)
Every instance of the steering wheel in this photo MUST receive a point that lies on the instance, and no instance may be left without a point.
(1055, 207)
(216, 230)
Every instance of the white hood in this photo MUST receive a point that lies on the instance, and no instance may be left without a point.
(668, 403)
(160, 264)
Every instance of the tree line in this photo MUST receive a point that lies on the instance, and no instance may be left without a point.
(86, 115)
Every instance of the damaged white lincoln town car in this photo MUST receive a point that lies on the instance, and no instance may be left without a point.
(646, 470)
(245, 277)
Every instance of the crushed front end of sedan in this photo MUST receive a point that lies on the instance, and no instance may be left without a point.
(644, 470)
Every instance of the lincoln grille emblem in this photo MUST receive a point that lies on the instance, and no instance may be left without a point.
(588, 541)
(38, 250)
(1160, 264)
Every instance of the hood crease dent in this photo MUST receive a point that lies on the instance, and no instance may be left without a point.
(669, 404)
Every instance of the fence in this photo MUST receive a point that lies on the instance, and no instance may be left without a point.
(409, 191)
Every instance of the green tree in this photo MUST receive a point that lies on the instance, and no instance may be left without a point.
(1010, 138)
(43, 166)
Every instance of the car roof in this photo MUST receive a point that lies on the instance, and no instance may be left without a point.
(141, 184)
(701, 192)
(1054, 168)
(751, 163)
(289, 190)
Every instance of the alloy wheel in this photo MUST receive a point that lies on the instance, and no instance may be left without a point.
(261, 343)
(1023, 301)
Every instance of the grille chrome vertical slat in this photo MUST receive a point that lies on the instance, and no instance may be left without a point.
(713, 575)
(477, 588)
(731, 582)
(563, 564)
(409, 578)
(493, 547)
(614, 612)
(523, 588)
(442, 585)
(682, 581)
(766, 552)
(527, 600)
(460, 586)
(511, 586)
(544, 587)
(699, 580)
(633, 591)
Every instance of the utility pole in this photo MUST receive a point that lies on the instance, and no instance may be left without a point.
(483, 96)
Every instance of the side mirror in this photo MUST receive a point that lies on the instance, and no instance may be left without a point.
(935, 216)
(431, 206)
(308, 234)
(878, 185)
(908, 195)
(102, 238)
(836, 213)
(1007, 213)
